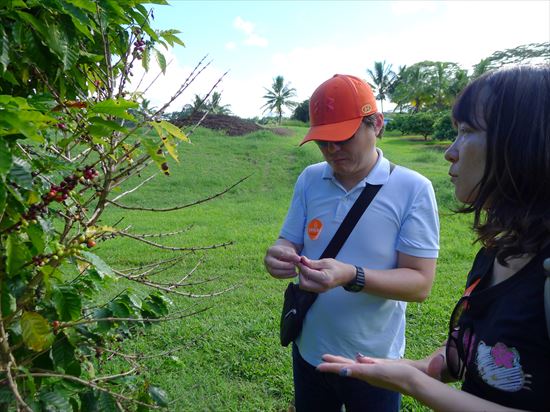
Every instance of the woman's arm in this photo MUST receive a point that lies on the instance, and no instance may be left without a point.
(403, 376)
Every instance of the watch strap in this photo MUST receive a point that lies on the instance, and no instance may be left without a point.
(357, 284)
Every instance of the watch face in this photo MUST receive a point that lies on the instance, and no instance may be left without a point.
(357, 284)
(355, 288)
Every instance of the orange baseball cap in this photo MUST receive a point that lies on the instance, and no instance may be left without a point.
(336, 108)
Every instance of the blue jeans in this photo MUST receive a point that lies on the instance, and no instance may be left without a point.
(326, 392)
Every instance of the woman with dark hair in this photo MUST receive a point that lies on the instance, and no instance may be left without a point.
(498, 343)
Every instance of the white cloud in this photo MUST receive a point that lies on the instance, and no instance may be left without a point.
(252, 38)
(243, 25)
(165, 86)
(255, 40)
(230, 45)
(412, 7)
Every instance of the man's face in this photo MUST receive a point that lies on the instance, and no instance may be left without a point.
(353, 158)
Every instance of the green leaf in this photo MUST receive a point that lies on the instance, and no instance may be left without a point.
(173, 130)
(36, 331)
(20, 173)
(63, 356)
(166, 140)
(17, 255)
(8, 302)
(117, 108)
(33, 22)
(161, 60)
(108, 123)
(145, 59)
(5, 157)
(155, 305)
(119, 309)
(80, 18)
(18, 123)
(102, 268)
(37, 237)
(87, 5)
(54, 401)
(4, 49)
(3, 197)
(106, 402)
(102, 128)
(152, 148)
(103, 313)
(67, 303)
(171, 38)
(6, 395)
(159, 396)
(59, 43)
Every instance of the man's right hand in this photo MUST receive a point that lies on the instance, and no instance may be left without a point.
(280, 259)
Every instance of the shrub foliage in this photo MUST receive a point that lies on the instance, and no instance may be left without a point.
(70, 134)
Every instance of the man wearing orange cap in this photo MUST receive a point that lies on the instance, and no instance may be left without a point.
(388, 259)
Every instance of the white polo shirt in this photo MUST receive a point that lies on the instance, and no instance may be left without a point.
(401, 218)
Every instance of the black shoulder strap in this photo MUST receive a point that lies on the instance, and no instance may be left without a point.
(546, 266)
(351, 219)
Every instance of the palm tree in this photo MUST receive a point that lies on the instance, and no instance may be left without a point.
(213, 105)
(216, 107)
(279, 96)
(382, 76)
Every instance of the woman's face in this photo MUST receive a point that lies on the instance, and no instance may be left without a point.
(467, 155)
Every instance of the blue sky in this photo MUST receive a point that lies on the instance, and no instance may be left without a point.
(309, 41)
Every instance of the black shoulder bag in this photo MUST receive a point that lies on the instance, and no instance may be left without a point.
(297, 301)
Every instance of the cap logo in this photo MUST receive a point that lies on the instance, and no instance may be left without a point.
(330, 103)
(314, 228)
(366, 108)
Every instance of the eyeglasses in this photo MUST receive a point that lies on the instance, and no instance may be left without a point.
(459, 339)
(324, 144)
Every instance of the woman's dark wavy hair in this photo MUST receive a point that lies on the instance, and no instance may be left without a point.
(512, 207)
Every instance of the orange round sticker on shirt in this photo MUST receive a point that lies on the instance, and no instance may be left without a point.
(314, 228)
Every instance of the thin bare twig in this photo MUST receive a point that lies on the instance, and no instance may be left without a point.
(14, 389)
(155, 264)
(175, 248)
(170, 209)
(135, 188)
(111, 377)
(157, 355)
(173, 290)
(114, 319)
(177, 232)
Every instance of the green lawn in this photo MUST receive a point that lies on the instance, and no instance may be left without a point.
(229, 358)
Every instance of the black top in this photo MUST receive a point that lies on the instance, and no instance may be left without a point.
(509, 358)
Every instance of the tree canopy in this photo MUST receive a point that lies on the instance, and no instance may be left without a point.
(279, 97)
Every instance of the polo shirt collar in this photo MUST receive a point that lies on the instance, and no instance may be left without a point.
(379, 174)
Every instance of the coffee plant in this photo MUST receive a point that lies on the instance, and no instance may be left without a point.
(71, 133)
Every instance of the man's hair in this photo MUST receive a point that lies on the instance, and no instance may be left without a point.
(512, 207)
(370, 121)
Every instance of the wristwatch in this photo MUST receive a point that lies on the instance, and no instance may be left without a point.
(357, 284)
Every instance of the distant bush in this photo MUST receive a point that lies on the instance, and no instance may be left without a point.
(443, 127)
(422, 123)
(294, 122)
(397, 123)
(436, 124)
(301, 112)
(415, 123)
(267, 121)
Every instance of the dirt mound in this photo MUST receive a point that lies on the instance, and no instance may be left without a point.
(232, 125)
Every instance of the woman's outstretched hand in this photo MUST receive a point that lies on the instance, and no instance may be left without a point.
(395, 375)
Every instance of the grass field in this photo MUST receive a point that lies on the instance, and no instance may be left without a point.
(228, 358)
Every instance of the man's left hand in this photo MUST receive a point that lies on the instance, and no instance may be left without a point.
(325, 274)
